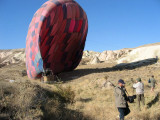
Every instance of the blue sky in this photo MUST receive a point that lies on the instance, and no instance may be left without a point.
(113, 24)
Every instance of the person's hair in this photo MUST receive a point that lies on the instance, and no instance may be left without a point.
(152, 75)
(139, 79)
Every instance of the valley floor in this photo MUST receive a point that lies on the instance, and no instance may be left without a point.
(94, 98)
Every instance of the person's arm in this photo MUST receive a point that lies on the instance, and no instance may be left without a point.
(143, 87)
(135, 85)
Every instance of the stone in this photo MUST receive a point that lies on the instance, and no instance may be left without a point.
(95, 60)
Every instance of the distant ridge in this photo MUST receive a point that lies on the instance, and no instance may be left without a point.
(126, 55)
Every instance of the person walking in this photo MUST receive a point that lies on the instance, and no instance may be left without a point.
(139, 86)
(152, 82)
(121, 99)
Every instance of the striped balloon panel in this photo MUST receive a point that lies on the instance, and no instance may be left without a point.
(56, 37)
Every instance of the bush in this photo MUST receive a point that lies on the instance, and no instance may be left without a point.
(27, 101)
(66, 94)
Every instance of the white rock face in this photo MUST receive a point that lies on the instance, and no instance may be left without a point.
(102, 56)
(8, 57)
(141, 53)
(90, 54)
(113, 55)
(95, 60)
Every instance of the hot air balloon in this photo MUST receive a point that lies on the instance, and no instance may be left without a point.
(56, 38)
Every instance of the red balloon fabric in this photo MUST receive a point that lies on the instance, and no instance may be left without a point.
(56, 38)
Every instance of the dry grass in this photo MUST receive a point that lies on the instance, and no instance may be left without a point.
(31, 100)
(82, 95)
(97, 101)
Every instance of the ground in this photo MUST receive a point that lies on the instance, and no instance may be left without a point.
(93, 97)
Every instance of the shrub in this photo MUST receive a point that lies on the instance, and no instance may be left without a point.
(66, 94)
(27, 101)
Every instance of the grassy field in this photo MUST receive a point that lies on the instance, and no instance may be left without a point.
(84, 94)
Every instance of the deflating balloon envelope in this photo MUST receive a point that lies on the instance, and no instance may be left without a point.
(56, 37)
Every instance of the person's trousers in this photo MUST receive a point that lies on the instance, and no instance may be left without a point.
(123, 112)
(140, 99)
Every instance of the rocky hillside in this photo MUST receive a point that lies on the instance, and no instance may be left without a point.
(141, 53)
(13, 56)
(126, 55)
(106, 56)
